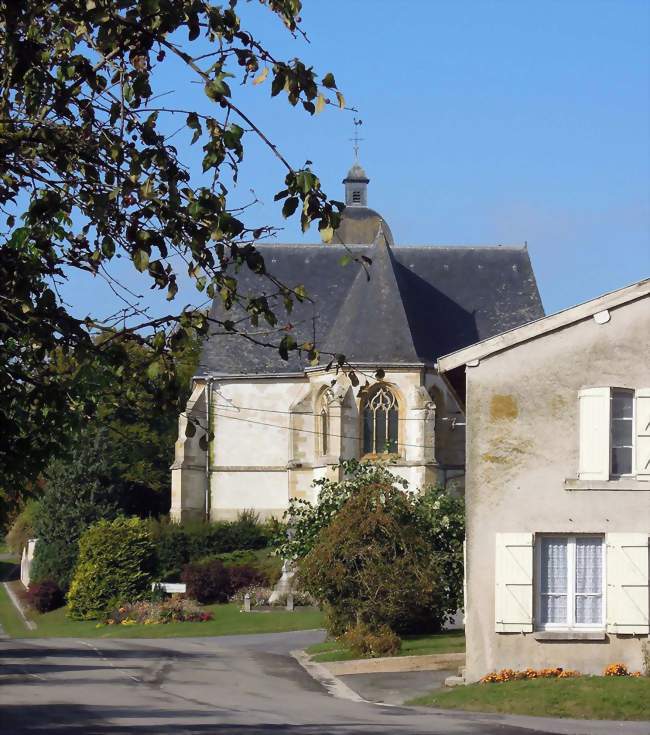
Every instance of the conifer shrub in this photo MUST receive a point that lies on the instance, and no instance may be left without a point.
(116, 561)
(206, 581)
(44, 596)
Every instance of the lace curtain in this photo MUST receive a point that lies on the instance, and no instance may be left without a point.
(553, 582)
(589, 580)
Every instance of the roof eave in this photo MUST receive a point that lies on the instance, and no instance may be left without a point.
(540, 327)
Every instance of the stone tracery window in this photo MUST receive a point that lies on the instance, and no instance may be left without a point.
(324, 422)
(380, 416)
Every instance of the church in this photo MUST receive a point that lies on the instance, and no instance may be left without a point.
(278, 425)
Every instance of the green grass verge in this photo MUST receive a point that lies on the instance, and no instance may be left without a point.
(587, 697)
(228, 620)
(416, 645)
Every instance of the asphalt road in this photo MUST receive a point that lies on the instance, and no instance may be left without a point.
(239, 685)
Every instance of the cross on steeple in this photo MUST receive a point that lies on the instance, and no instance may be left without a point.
(356, 139)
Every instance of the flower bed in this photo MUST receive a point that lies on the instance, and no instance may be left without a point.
(175, 610)
(619, 670)
(497, 677)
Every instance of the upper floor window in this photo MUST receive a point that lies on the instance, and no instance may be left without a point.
(614, 433)
(380, 419)
(324, 431)
(622, 431)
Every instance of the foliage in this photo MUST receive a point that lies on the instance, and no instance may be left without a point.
(206, 581)
(306, 520)
(242, 575)
(145, 612)
(178, 544)
(92, 174)
(44, 596)
(438, 516)
(79, 491)
(498, 677)
(371, 564)
(363, 641)
(23, 528)
(116, 560)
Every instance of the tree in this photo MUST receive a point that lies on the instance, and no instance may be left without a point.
(90, 175)
(79, 491)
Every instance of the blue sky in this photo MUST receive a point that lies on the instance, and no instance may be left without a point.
(485, 122)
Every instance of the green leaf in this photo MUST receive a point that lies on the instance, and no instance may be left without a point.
(345, 260)
(328, 81)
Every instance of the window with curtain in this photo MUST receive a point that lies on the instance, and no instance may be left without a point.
(380, 416)
(570, 581)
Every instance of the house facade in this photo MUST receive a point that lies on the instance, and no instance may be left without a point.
(391, 311)
(558, 488)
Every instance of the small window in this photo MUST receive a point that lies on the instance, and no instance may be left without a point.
(380, 422)
(356, 196)
(622, 431)
(570, 582)
(324, 431)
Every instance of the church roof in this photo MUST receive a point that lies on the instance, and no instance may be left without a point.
(388, 305)
(451, 297)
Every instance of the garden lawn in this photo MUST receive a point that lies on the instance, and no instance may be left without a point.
(228, 620)
(452, 641)
(587, 697)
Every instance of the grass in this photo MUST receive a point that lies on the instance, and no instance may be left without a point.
(587, 697)
(452, 641)
(228, 620)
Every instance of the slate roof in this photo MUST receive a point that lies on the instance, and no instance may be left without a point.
(420, 303)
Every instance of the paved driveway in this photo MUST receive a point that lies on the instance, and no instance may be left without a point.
(239, 685)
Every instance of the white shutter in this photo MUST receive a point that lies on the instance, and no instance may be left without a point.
(627, 583)
(514, 583)
(643, 433)
(594, 433)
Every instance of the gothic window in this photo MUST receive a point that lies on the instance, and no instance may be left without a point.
(324, 421)
(380, 414)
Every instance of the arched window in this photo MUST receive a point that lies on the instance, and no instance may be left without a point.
(323, 417)
(324, 431)
(380, 416)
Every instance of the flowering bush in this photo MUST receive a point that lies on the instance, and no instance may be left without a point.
(497, 677)
(174, 610)
(619, 670)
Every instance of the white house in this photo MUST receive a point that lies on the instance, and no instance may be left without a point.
(558, 487)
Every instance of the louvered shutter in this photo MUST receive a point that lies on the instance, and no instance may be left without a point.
(594, 433)
(643, 434)
(627, 583)
(514, 583)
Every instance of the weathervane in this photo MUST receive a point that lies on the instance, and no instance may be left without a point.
(356, 139)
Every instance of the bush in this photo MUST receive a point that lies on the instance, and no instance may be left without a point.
(44, 596)
(206, 581)
(362, 641)
(243, 575)
(23, 528)
(116, 560)
(372, 564)
(178, 545)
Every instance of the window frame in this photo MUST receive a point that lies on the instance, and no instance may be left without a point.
(632, 392)
(570, 624)
(365, 400)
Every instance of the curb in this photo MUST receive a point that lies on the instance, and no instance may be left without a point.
(30, 625)
(396, 664)
(323, 676)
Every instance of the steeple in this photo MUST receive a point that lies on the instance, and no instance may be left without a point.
(371, 325)
(356, 187)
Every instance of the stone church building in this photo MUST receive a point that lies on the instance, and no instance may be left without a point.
(279, 425)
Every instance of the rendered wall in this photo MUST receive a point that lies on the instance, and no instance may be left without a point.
(522, 444)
